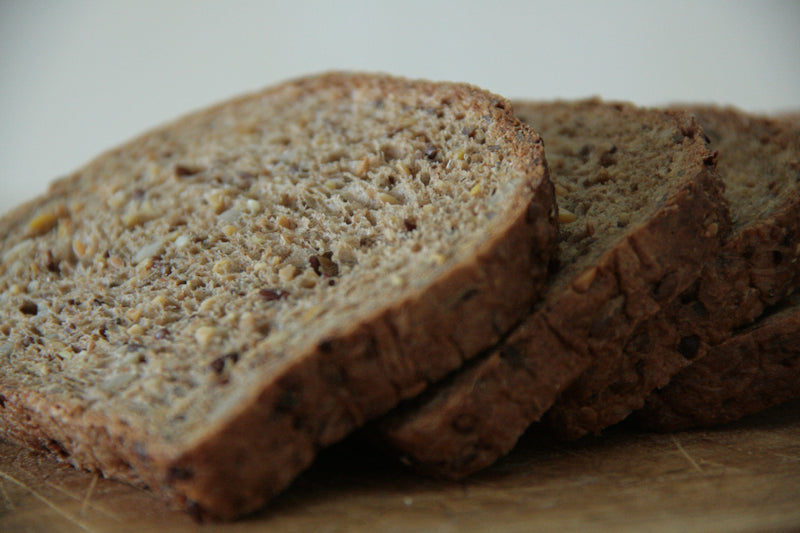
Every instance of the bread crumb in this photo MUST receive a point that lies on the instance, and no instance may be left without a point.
(438, 258)
(133, 314)
(585, 280)
(253, 206)
(403, 169)
(79, 248)
(136, 330)
(182, 240)
(205, 334)
(565, 216)
(224, 266)
(361, 167)
(146, 252)
(287, 273)
(388, 198)
(134, 218)
(286, 222)
(41, 224)
(312, 312)
(218, 199)
(117, 200)
(561, 190)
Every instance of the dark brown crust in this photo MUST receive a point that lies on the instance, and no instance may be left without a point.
(341, 383)
(745, 374)
(478, 415)
(757, 268)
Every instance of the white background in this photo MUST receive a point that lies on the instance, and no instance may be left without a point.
(80, 76)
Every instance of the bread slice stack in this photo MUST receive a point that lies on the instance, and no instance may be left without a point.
(747, 341)
(646, 213)
(476, 417)
(203, 309)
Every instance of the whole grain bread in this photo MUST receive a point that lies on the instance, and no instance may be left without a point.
(204, 308)
(750, 371)
(793, 116)
(642, 210)
(759, 161)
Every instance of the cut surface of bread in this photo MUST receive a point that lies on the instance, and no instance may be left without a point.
(759, 161)
(204, 308)
(641, 210)
(750, 371)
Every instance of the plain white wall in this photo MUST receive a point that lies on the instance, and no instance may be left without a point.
(80, 76)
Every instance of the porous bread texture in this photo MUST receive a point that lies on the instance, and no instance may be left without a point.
(750, 371)
(641, 210)
(204, 308)
(759, 161)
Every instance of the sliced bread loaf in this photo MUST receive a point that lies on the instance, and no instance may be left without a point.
(759, 160)
(202, 309)
(750, 371)
(641, 210)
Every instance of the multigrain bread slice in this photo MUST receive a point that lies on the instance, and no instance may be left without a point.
(793, 116)
(204, 308)
(759, 161)
(754, 369)
(641, 210)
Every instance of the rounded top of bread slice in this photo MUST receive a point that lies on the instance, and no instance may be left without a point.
(613, 164)
(758, 157)
(171, 283)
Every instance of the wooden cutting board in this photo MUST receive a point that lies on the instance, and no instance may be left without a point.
(742, 477)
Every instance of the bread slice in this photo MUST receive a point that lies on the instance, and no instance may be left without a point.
(750, 371)
(641, 210)
(793, 116)
(204, 308)
(759, 160)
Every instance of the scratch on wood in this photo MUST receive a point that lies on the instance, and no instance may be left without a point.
(688, 457)
(89, 491)
(64, 514)
(794, 458)
(85, 500)
(9, 504)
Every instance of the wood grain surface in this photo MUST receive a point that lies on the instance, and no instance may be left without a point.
(741, 477)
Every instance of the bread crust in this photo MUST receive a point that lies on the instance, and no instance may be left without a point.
(356, 374)
(750, 371)
(477, 416)
(757, 267)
